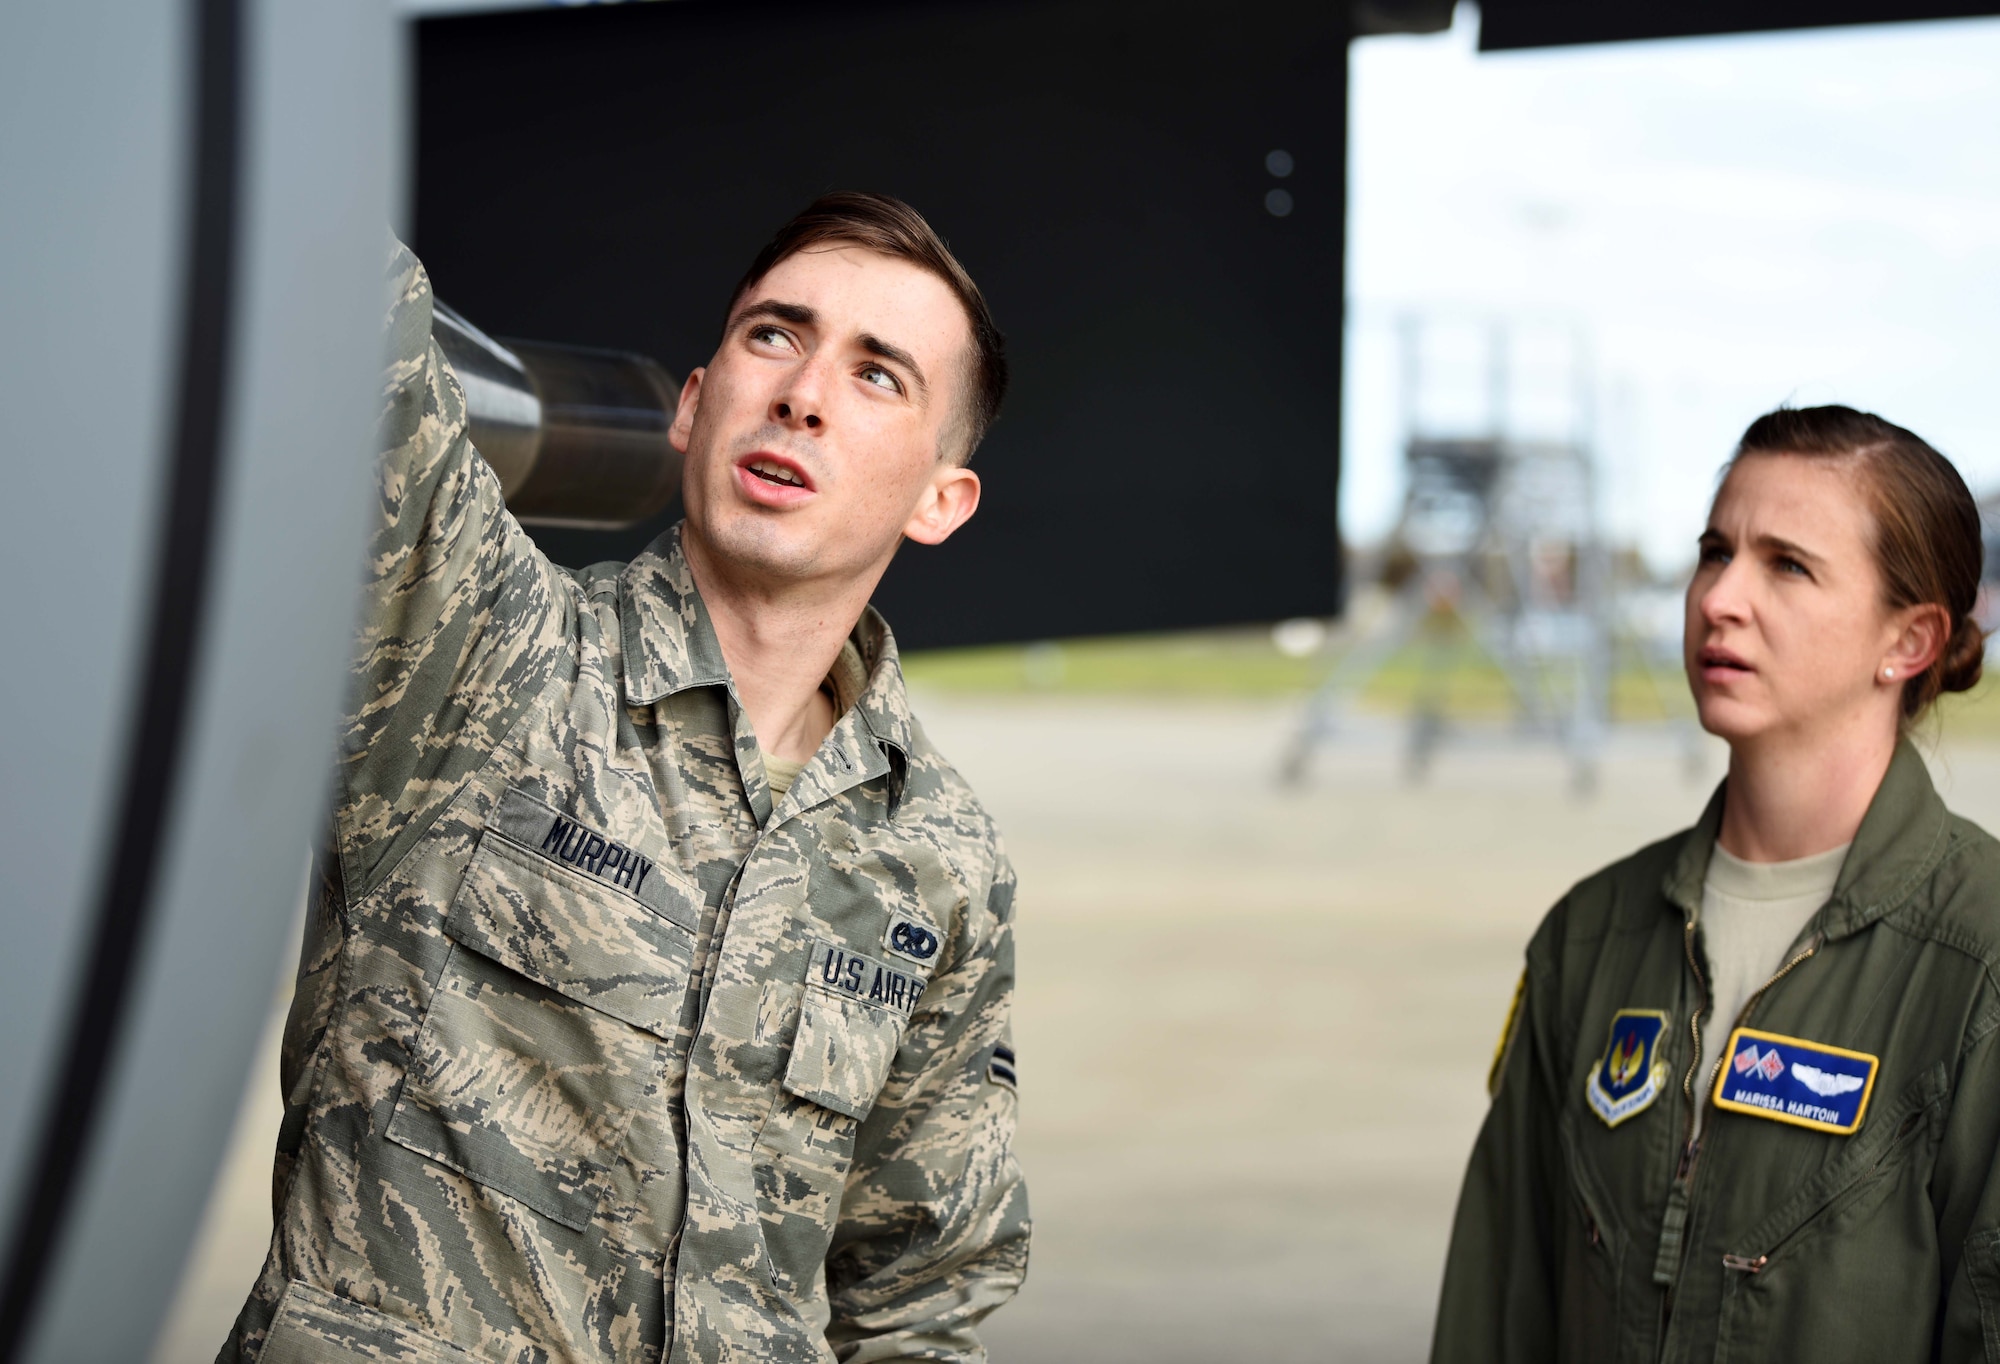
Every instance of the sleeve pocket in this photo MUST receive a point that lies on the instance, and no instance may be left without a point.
(842, 1053)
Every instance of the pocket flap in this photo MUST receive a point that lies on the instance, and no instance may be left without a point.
(314, 1326)
(583, 939)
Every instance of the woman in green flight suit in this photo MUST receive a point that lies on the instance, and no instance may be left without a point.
(1748, 1103)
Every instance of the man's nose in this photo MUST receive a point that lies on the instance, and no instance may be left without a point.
(799, 406)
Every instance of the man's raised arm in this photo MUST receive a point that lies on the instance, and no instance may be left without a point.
(461, 624)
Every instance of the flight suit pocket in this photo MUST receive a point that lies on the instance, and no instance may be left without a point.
(851, 1021)
(546, 1032)
(1835, 1238)
(1982, 1266)
(314, 1326)
(1590, 1249)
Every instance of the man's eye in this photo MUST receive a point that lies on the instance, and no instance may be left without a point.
(1714, 554)
(771, 336)
(1787, 564)
(881, 378)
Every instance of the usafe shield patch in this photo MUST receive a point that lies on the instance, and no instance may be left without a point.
(1788, 1079)
(849, 973)
(912, 939)
(1631, 1073)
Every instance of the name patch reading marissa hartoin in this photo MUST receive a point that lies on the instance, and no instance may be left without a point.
(850, 973)
(1791, 1080)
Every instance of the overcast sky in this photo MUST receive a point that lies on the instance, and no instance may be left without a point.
(1728, 223)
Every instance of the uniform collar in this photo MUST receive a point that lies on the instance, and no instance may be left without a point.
(670, 645)
(669, 642)
(1899, 844)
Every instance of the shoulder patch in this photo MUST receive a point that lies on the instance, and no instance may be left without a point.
(1508, 1031)
(1000, 1067)
(911, 939)
(1791, 1080)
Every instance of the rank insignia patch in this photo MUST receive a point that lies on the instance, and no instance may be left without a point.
(1788, 1079)
(1631, 1073)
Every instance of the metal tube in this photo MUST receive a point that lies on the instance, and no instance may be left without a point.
(577, 435)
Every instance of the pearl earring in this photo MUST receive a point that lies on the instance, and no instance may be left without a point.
(1889, 673)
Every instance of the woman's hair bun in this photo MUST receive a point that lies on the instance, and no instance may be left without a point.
(1964, 657)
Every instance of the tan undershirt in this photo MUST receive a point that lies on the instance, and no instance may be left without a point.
(843, 686)
(1752, 914)
(780, 775)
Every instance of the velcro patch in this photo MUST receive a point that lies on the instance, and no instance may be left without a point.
(1791, 1080)
(1631, 1073)
(1000, 1067)
(912, 939)
(1508, 1031)
(849, 973)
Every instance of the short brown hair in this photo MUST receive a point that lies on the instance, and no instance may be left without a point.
(1928, 544)
(876, 222)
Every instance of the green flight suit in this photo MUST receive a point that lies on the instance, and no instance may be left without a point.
(599, 1052)
(1769, 1241)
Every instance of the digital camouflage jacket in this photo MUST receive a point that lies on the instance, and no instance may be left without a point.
(598, 1054)
(1841, 1204)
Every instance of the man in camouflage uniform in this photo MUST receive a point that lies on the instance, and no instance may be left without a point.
(605, 1048)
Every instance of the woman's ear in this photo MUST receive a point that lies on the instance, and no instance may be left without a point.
(1924, 632)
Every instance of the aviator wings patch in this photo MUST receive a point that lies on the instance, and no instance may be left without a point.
(1825, 1083)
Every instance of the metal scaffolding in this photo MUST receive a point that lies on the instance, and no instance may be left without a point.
(1498, 548)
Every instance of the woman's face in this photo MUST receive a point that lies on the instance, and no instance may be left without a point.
(1787, 632)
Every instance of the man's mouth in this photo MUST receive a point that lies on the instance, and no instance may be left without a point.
(785, 475)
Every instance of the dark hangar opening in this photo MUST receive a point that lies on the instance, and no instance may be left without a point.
(1169, 453)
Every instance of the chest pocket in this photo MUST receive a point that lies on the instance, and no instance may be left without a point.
(851, 1021)
(548, 1027)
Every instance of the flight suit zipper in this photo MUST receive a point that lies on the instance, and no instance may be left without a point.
(1743, 1015)
(1667, 1256)
(1668, 1262)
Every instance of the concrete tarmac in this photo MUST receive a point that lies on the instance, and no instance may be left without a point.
(1253, 1023)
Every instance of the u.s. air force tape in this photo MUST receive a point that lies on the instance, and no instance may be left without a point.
(849, 973)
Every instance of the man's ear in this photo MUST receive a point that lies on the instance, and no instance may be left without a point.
(682, 431)
(949, 501)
